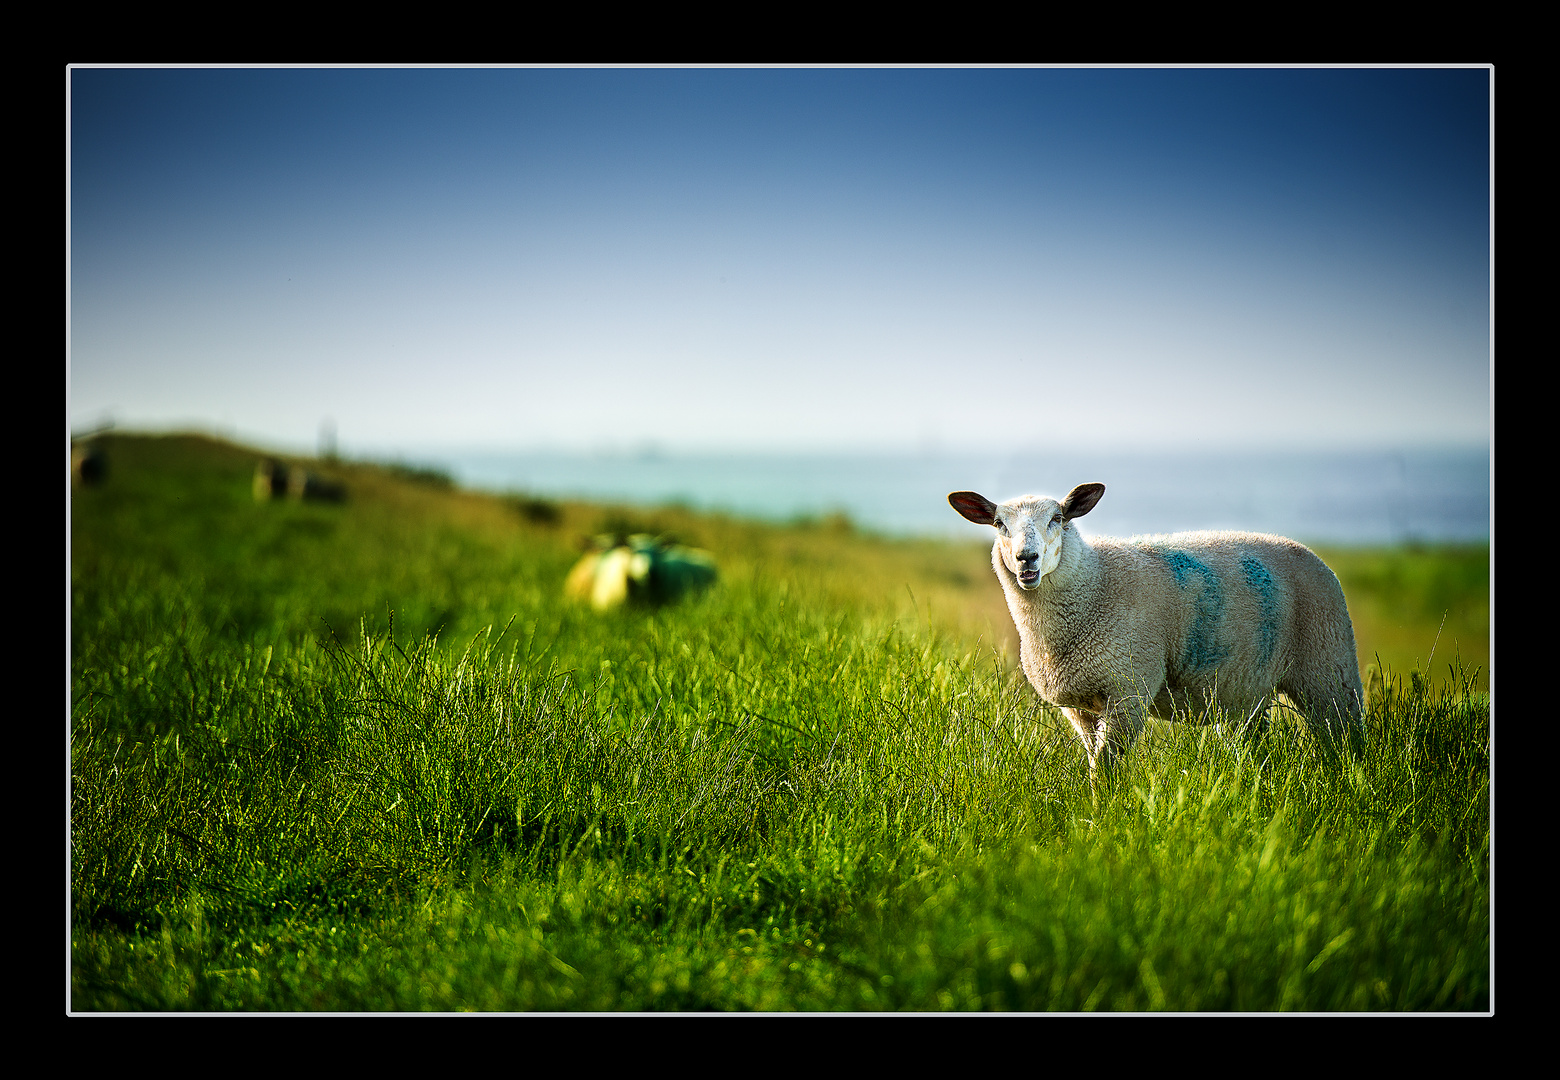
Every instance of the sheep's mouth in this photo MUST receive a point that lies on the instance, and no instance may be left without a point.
(1029, 578)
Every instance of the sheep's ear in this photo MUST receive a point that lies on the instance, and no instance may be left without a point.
(975, 507)
(1082, 499)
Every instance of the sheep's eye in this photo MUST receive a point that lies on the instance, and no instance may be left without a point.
(1002, 525)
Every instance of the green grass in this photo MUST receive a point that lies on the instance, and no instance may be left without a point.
(364, 757)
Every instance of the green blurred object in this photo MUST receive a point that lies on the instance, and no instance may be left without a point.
(640, 568)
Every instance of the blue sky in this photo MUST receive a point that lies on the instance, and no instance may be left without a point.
(783, 259)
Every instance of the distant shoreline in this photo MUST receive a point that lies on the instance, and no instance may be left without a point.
(1344, 497)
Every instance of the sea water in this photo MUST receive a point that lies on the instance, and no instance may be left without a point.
(1337, 497)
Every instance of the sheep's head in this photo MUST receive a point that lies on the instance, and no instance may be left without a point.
(1030, 529)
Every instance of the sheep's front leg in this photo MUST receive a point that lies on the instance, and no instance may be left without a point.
(1089, 727)
(1108, 732)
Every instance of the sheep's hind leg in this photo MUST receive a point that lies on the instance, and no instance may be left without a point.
(1334, 714)
(1251, 724)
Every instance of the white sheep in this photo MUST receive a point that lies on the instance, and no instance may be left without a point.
(1113, 631)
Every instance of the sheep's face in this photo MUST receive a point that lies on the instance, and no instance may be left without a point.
(1030, 530)
(1029, 536)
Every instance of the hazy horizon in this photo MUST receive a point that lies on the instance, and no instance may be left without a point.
(792, 261)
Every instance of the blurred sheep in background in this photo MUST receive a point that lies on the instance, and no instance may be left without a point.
(88, 466)
(639, 568)
(275, 479)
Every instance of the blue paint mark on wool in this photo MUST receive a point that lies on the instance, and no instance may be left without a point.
(1202, 641)
(1259, 579)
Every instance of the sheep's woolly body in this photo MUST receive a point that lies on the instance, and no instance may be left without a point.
(1164, 625)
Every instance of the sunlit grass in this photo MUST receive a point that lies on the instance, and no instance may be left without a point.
(364, 757)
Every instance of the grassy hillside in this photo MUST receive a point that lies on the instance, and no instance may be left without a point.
(364, 756)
